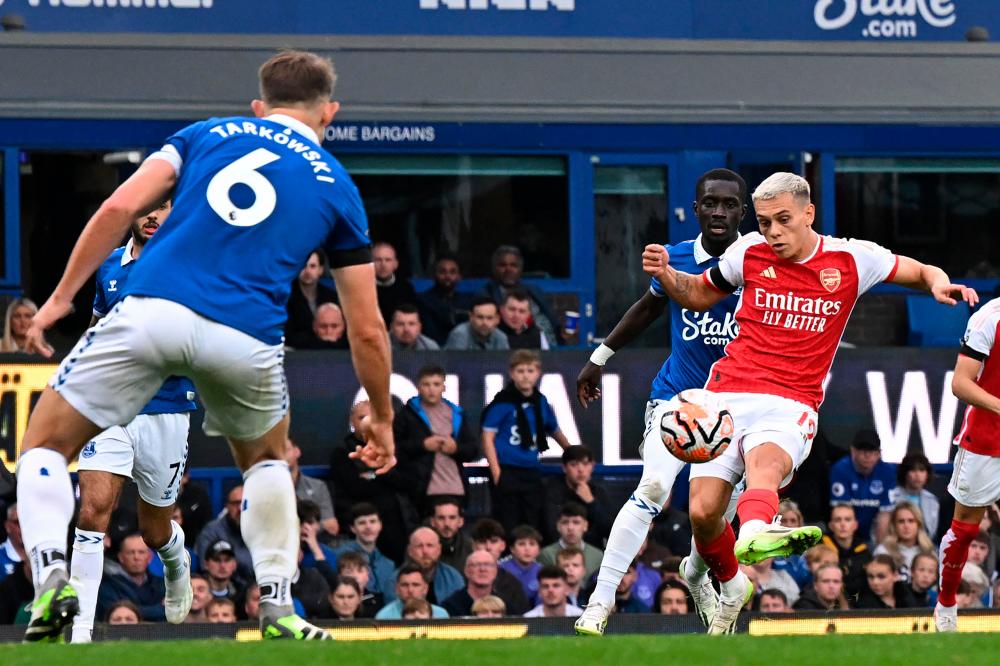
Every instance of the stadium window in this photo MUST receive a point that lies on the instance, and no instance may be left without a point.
(467, 205)
(630, 210)
(942, 211)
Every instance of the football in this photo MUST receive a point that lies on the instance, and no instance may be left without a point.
(697, 426)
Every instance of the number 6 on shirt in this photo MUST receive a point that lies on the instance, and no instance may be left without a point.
(244, 171)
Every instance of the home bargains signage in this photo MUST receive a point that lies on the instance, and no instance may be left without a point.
(660, 19)
(903, 393)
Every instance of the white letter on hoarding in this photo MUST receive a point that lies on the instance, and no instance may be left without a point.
(399, 386)
(914, 399)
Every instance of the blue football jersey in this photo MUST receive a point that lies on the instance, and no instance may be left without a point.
(177, 393)
(254, 197)
(697, 339)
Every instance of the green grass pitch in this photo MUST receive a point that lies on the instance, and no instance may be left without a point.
(940, 650)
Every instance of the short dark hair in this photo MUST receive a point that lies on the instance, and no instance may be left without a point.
(517, 295)
(573, 509)
(575, 453)
(363, 509)
(887, 560)
(483, 300)
(348, 581)
(912, 461)
(353, 559)
(504, 250)
(671, 584)
(486, 529)
(448, 256)
(429, 370)
(446, 499)
(410, 568)
(124, 603)
(291, 78)
(308, 511)
(551, 571)
(776, 593)
(320, 253)
(406, 308)
(722, 174)
(524, 532)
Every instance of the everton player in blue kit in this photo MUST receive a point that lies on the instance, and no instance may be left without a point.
(253, 197)
(697, 341)
(151, 449)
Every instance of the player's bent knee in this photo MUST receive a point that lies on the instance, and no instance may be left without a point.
(654, 488)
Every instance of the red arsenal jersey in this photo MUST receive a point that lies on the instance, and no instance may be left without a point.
(791, 314)
(980, 431)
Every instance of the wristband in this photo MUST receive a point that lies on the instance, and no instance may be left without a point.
(601, 355)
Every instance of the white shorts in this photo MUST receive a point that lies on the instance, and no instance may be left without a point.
(122, 361)
(152, 450)
(761, 418)
(975, 479)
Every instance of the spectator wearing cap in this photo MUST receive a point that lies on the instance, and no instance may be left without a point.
(508, 271)
(392, 289)
(443, 306)
(481, 332)
(434, 437)
(406, 330)
(865, 481)
(410, 584)
(425, 552)
(912, 476)
(220, 565)
(366, 525)
(577, 484)
(571, 526)
(481, 573)
(134, 583)
(313, 490)
(227, 528)
(553, 591)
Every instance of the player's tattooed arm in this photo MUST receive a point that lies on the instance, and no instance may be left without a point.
(688, 291)
(926, 277)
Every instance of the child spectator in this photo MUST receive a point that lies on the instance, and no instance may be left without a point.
(525, 543)
(515, 425)
(552, 590)
(489, 606)
(625, 599)
(251, 603)
(979, 550)
(912, 476)
(124, 612)
(851, 548)
(571, 561)
(673, 598)
(417, 609)
(221, 611)
(884, 589)
(201, 595)
(488, 534)
(576, 484)
(366, 525)
(906, 539)
(355, 565)
(572, 525)
(345, 598)
(924, 578)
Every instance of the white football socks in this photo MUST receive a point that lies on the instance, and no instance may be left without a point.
(45, 505)
(627, 534)
(270, 527)
(172, 554)
(695, 568)
(86, 571)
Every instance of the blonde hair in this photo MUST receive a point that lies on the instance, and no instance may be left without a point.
(789, 506)
(8, 344)
(782, 183)
(489, 603)
(891, 542)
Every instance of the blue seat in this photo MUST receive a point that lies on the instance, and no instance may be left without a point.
(933, 324)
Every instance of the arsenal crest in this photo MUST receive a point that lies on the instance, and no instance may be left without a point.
(830, 279)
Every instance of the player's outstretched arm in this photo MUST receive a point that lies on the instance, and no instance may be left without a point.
(925, 277)
(688, 291)
(965, 388)
(372, 360)
(643, 312)
(146, 189)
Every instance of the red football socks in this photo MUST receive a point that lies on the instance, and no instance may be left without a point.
(718, 555)
(954, 552)
(757, 504)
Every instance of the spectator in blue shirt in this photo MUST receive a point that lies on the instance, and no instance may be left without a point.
(525, 544)
(11, 550)
(515, 425)
(366, 525)
(410, 584)
(425, 552)
(863, 480)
